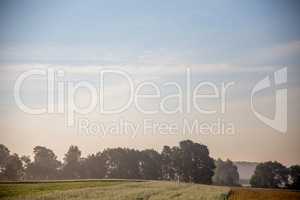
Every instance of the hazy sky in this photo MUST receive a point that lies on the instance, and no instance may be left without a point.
(219, 41)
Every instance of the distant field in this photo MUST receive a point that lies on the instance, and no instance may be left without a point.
(111, 190)
(133, 190)
(262, 194)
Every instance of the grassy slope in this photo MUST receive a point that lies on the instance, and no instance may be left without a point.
(113, 191)
(262, 194)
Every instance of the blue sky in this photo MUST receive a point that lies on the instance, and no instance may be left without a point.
(183, 31)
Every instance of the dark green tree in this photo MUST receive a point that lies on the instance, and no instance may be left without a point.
(171, 163)
(150, 165)
(295, 177)
(13, 169)
(197, 166)
(4, 154)
(72, 168)
(93, 166)
(45, 165)
(122, 163)
(166, 162)
(270, 175)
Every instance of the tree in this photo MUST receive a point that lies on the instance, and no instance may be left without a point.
(25, 161)
(4, 154)
(226, 173)
(190, 162)
(93, 166)
(197, 166)
(167, 167)
(295, 177)
(270, 175)
(13, 169)
(171, 163)
(73, 155)
(150, 165)
(121, 163)
(72, 166)
(45, 165)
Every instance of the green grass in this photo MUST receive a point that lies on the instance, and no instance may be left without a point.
(111, 190)
(134, 190)
(41, 188)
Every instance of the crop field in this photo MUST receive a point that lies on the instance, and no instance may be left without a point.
(132, 190)
(262, 194)
(110, 190)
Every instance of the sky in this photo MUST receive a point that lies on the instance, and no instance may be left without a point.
(152, 41)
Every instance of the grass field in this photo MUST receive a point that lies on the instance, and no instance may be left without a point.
(12, 190)
(110, 190)
(133, 190)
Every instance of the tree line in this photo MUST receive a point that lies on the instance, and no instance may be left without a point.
(188, 162)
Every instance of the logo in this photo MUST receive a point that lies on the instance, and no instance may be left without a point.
(279, 122)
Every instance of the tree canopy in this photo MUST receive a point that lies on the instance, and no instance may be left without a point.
(189, 162)
(295, 177)
(45, 165)
(270, 175)
(226, 173)
(72, 166)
